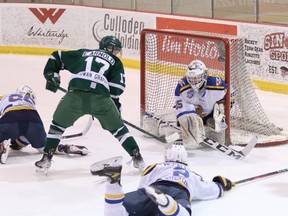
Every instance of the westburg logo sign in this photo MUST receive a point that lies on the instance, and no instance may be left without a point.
(45, 32)
(53, 14)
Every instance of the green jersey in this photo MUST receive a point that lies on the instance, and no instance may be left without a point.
(95, 71)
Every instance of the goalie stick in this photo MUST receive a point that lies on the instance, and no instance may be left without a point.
(230, 151)
(164, 139)
(85, 129)
(216, 145)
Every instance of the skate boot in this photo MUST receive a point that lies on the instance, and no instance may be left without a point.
(4, 151)
(137, 159)
(15, 146)
(157, 196)
(45, 163)
(110, 168)
(73, 149)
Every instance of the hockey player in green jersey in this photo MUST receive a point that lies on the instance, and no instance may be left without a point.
(97, 81)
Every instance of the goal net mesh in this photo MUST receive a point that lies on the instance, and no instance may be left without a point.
(164, 57)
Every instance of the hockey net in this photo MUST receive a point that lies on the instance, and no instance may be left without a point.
(164, 57)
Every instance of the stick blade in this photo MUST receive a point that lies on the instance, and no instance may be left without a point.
(251, 144)
(173, 137)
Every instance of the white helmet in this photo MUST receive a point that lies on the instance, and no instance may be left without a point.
(176, 153)
(196, 74)
(26, 90)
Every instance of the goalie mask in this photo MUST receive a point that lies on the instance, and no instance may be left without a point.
(110, 44)
(176, 153)
(196, 74)
(26, 90)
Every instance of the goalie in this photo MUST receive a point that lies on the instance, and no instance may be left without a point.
(199, 102)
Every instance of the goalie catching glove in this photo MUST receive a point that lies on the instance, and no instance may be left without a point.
(53, 81)
(224, 182)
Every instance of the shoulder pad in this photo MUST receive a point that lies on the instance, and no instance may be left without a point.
(149, 169)
(216, 83)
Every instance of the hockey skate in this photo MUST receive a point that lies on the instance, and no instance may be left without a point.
(137, 159)
(73, 149)
(110, 168)
(157, 196)
(45, 163)
(4, 151)
(15, 146)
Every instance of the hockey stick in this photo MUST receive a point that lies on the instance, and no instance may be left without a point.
(62, 89)
(216, 145)
(85, 129)
(164, 139)
(260, 176)
(230, 151)
(81, 133)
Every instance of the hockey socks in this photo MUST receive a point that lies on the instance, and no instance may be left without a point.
(173, 208)
(114, 197)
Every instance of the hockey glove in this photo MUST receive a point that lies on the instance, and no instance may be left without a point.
(224, 182)
(53, 81)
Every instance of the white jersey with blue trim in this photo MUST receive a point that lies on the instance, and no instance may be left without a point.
(16, 101)
(186, 98)
(181, 174)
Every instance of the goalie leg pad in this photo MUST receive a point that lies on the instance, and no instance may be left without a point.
(159, 127)
(150, 125)
(192, 130)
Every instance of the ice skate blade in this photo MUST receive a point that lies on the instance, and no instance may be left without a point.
(42, 171)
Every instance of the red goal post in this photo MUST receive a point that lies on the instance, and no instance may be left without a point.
(164, 57)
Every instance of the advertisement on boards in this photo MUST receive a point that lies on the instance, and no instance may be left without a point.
(125, 26)
(74, 27)
(189, 49)
(265, 46)
(42, 26)
(266, 52)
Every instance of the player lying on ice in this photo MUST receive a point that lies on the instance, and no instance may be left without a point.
(165, 188)
(199, 101)
(21, 125)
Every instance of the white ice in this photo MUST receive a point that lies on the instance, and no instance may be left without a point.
(69, 188)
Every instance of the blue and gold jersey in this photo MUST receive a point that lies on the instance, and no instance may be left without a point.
(181, 174)
(213, 91)
(16, 101)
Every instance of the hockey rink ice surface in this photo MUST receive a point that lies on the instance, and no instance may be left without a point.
(69, 189)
